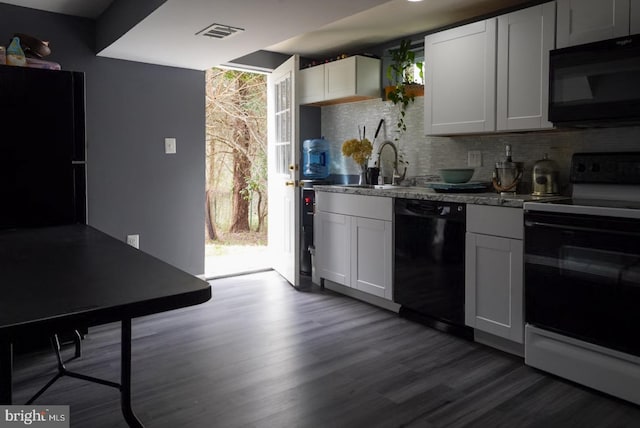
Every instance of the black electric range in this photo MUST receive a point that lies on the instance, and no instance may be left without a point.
(582, 277)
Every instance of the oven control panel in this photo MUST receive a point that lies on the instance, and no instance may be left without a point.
(606, 168)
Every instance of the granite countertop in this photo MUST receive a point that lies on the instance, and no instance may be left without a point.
(488, 198)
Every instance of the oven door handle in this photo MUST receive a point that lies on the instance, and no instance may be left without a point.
(566, 227)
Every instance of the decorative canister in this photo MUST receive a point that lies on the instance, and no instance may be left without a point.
(545, 177)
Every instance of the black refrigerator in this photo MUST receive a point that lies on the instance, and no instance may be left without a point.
(42, 148)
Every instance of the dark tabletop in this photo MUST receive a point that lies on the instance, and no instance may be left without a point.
(57, 278)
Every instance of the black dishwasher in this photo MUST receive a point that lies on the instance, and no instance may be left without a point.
(429, 263)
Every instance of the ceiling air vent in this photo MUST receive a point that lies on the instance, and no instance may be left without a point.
(220, 31)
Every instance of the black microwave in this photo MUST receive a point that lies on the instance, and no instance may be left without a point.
(596, 84)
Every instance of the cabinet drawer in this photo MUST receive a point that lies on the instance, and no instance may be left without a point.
(496, 221)
(376, 207)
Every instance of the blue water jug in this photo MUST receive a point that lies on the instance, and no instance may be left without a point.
(315, 158)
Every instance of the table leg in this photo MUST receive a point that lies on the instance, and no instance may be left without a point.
(125, 370)
(6, 373)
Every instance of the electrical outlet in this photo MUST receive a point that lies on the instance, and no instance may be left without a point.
(170, 146)
(474, 158)
(133, 240)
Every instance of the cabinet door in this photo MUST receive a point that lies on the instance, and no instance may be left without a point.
(525, 38)
(460, 79)
(494, 285)
(585, 21)
(371, 256)
(340, 78)
(333, 248)
(311, 88)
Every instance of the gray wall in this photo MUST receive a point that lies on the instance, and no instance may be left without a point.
(133, 187)
(427, 154)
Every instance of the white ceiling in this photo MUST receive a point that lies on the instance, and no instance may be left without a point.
(168, 35)
(389, 21)
(313, 28)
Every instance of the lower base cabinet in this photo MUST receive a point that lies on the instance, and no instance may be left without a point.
(333, 247)
(494, 271)
(371, 256)
(354, 242)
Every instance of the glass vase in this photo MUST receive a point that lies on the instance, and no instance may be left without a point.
(362, 177)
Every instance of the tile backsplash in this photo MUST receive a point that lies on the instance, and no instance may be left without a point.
(425, 155)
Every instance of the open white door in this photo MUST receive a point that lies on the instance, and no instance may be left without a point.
(283, 171)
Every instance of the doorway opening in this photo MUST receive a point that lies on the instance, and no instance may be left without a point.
(236, 173)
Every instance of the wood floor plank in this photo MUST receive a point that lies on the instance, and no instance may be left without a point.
(262, 354)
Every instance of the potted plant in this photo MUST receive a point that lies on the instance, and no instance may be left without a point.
(402, 88)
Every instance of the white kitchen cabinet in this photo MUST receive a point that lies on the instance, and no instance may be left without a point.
(494, 271)
(525, 38)
(311, 81)
(371, 256)
(460, 79)
(465, 63)
(349, 79)
(332, 240)
(585, 21)
(354, 241)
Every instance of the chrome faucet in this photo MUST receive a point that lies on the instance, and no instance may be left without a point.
(396, 178)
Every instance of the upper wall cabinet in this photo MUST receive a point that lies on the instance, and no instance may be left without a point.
(311, 87)
(460, 79)
(525, 38)
(585, 21)
(350, 79)
(463, 66)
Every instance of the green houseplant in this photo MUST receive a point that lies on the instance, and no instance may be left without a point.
(402, 86)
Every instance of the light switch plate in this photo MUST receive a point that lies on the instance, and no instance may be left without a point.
(170, 146)
(134, 240)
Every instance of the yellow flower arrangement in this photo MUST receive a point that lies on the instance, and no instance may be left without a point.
(359, 150)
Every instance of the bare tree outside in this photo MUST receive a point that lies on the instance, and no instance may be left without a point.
(236, 179)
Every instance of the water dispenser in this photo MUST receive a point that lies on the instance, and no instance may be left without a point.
(315, 158)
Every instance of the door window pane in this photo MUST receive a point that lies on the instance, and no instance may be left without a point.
(283, 125)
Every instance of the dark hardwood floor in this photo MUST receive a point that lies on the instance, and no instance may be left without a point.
(261, 354)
